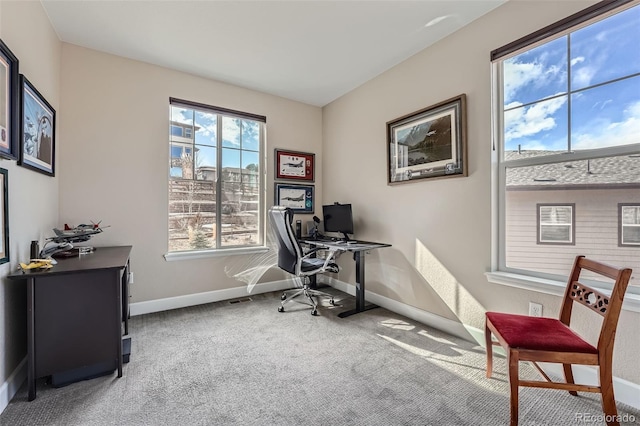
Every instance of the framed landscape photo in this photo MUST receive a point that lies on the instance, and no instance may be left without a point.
(37, 125)
(429, 143)
(9, 103)
(297, 197)
(295, 165)
(4, 217)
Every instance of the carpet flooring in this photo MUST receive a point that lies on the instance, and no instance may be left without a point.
(242, 362)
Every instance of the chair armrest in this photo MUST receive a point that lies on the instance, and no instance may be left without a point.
(328, 259)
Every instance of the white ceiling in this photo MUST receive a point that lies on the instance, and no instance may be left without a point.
(308, 51)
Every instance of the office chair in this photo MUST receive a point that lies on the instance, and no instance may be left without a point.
(293, 259)
(538, 339)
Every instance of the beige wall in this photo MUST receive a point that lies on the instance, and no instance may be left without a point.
(440, 229)
(33, 197)
(114, 164)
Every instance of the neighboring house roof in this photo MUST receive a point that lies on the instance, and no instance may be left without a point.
(621, 171)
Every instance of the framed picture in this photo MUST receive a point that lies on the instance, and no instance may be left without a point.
(297, 197)
(295, 165)
(37, 137)
(4, 217)
(429, 143)
(9, 104)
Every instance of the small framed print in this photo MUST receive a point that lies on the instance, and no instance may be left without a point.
(299, 198)
(295, 165)
(9, 104)
(37, 128)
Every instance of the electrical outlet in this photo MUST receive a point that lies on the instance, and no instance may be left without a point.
(535, 309)
(130, 277)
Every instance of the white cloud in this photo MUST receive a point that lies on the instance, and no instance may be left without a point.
(577, 60)
(517, 75)
(582, 76)
(607, 133)
(531, 120)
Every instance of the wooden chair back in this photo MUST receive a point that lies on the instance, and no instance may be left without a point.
(607, 306)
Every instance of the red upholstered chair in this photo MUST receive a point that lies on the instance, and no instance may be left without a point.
(539, 339)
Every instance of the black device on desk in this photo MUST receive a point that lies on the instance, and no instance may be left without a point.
(338, 218)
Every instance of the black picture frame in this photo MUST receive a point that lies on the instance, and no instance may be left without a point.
(37, 130)
(297, 197)
(4, 216)
(9, 103)
(429, 143)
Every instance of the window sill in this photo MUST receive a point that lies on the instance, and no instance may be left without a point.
(556, 288)
(200, 254)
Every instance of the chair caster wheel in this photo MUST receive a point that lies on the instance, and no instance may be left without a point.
(314, 313)
(283, 297)
(280, 309)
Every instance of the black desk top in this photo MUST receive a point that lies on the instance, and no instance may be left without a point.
(102, 258)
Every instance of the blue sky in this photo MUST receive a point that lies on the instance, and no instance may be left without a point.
(536, 86)
(236, 151)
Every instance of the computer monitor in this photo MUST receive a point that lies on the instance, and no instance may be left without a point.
(338, 218)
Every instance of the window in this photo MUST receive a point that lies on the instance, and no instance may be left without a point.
(555, 224)
(216, 184)
(629, 225)
(567, 144)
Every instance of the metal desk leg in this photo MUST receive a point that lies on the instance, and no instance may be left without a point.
(360, 304)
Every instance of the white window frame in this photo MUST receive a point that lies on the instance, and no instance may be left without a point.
(570, 224)
(622, 226)
(500, 273)
(218, 251)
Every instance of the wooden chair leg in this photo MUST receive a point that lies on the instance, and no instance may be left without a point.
(608, 398)
(489, 346)
(568, 375)
(514, 379)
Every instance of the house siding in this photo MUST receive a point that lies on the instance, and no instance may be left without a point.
(596, 230)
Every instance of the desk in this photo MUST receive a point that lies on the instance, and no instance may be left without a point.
(359, 249)
(75, 312)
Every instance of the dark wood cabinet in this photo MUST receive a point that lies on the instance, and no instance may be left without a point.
(77, 312)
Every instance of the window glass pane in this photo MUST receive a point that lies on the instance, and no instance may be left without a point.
(607, 115)
(230, 158)
(555, 233)
(630, 215)
(631, 225)
(206, 128)
(540, 128)
(250, 160)
(594, 188)
(631, 235)
(181, 115)
(176, 151)
(536, 74)
(176, 130)
(250, 135)
(175, 172)
(206, 163)
(231, 132)
(191, 213)
(555, 214)
(603, 51)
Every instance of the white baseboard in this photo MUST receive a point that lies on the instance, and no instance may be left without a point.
(159, 305)
(12, 384)
(625, 391)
